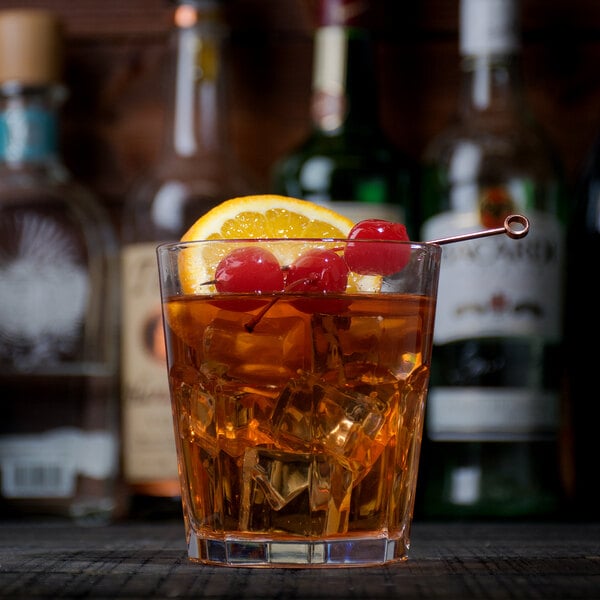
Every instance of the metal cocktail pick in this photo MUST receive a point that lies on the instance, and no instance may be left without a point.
(515, 226)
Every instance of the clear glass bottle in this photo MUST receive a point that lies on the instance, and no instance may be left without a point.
(347, 160)
(491, 443)
(59, 415)
(195, 170)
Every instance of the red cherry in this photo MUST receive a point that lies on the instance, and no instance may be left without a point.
(317, 270)
(379, 258)
(250, 269)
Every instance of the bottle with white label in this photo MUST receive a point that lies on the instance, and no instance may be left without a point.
(347, 161)
(493, 420)
(196, 169)
(59, 417)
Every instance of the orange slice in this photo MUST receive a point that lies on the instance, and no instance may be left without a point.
(268, 216)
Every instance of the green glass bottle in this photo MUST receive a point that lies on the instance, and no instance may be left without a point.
(346, 161)
(493, 421)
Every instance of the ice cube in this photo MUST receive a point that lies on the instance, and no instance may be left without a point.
(194, 406)
(325, 343)
(300, 493)
(293, 415)
(350, 425)
(313, 415)
(272, 353)
(391, 344)
(279, 476)
(330, 492)
(242, 415)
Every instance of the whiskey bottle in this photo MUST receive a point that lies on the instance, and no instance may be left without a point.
(493, 418)
(347, 161)
(59, 416)
(195, 170)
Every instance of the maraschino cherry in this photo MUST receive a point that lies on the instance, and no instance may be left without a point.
(252, 269)
(249, 269)
(317, 270)
(380, 258)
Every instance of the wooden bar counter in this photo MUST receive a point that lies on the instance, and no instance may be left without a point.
(447, 560)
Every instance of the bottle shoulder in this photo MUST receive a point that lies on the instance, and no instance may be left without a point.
(345, 141)
(520, 148)
(343, 153)
(52, 188)
(466, 164)
(162, 204)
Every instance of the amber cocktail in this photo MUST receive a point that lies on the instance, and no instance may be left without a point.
(298, 412)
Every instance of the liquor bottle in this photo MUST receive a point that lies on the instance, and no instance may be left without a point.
(195, 170)
(59, 414)
(346, 160)
(583, 322)
(493, 418)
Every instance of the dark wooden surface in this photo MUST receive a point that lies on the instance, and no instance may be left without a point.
(452, 560)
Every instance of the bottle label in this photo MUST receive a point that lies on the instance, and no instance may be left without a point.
(27, 134)
(149, 448)
(488, 27)
(465, 485)
(47, 465)
(43, 295)
(329, 107)
(497, 286)
(491, 414)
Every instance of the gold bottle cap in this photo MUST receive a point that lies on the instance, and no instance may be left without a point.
(31, 47)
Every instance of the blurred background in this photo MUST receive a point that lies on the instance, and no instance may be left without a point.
(113, 119)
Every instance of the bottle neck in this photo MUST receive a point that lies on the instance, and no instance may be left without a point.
(196, 105)
(344, 90)
(491, 88)
(490, 50)
(29, 124)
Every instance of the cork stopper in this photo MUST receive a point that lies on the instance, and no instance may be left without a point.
(31, 47)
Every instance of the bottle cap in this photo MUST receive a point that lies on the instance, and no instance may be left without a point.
(488, 27)
(31, 47)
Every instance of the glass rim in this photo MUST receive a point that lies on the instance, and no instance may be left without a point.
(304, 240)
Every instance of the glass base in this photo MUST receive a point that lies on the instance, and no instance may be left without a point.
(343, 552)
